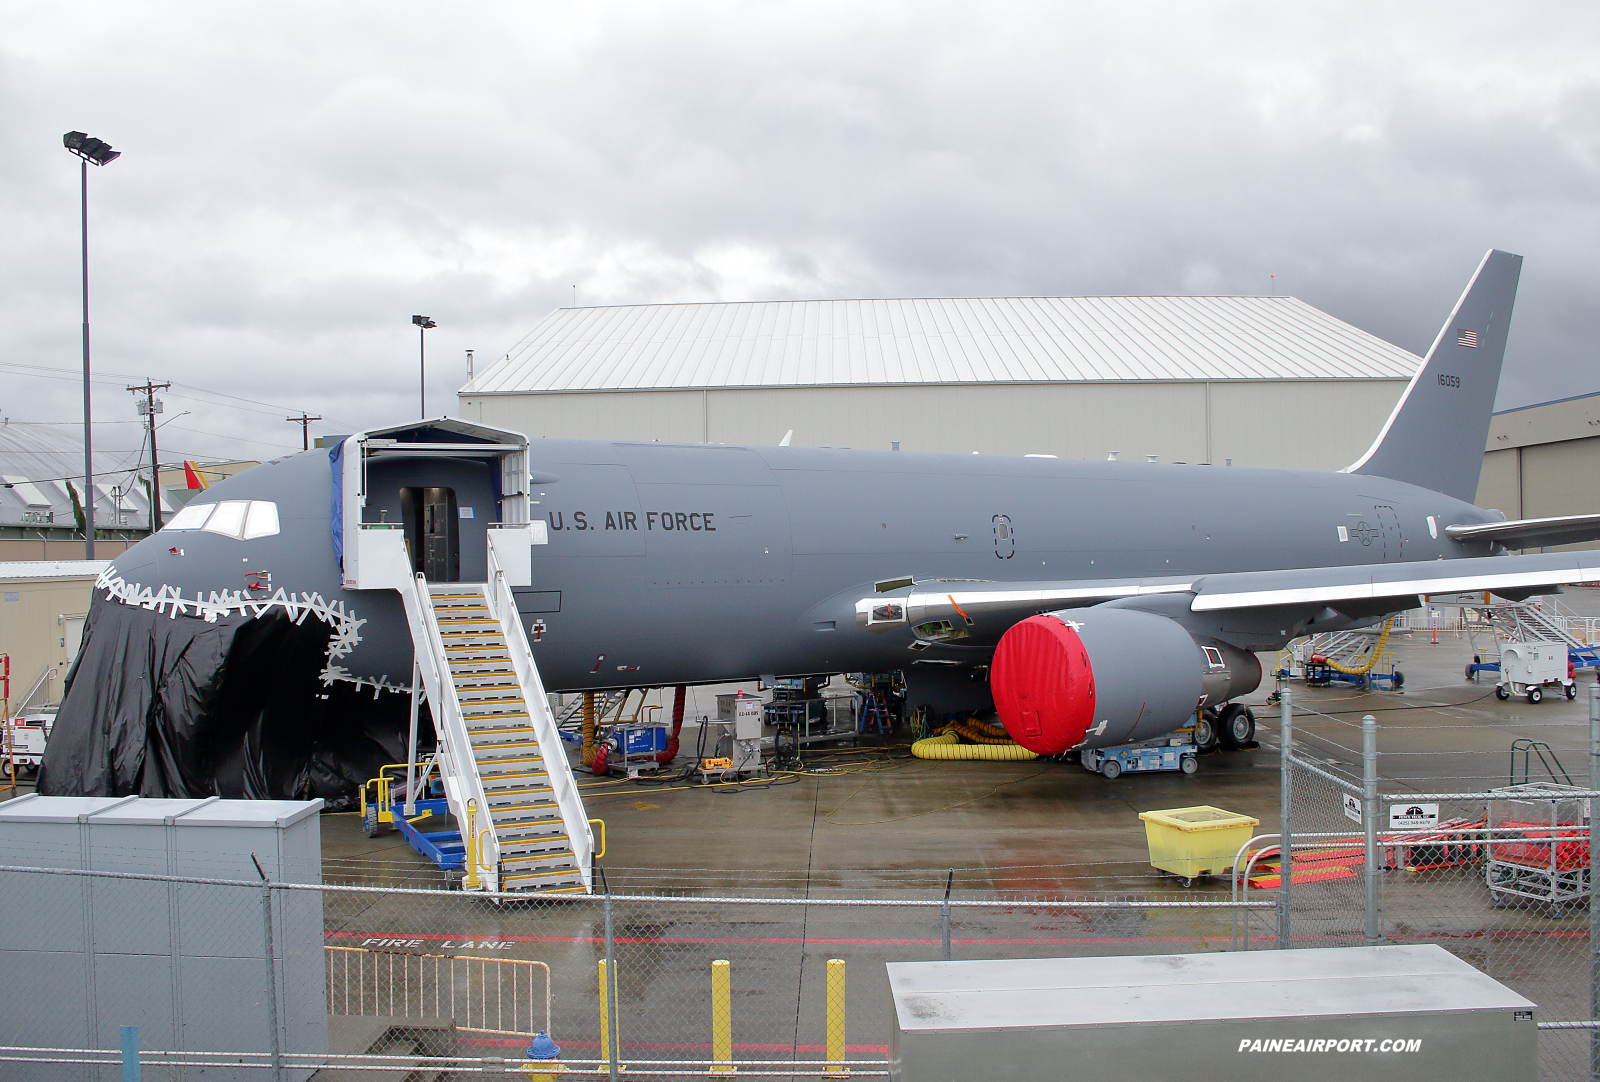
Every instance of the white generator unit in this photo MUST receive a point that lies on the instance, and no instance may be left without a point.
(24, 740)
(1527, 668)
(739, 719)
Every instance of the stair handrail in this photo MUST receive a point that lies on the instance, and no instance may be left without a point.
(457, 763)
(49, 671)
(563, 785)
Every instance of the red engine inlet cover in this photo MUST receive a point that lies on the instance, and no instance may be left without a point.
(1043, 685)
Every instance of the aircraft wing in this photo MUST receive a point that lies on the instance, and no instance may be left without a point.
(963, 601)
(1526, 533)
(1329, 585)
(950, 610)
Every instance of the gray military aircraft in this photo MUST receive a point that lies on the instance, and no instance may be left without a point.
(252, 646)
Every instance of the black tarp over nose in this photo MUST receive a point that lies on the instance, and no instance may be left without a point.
(159, 706)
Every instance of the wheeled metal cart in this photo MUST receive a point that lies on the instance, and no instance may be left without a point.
(1527, 668)
(1149, 756)
(444, 848)
(1538, 848)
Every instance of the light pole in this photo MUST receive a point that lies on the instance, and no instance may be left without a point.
(424, 325)
(99, 152)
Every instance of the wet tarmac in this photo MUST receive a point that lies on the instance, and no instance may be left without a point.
(872, 819)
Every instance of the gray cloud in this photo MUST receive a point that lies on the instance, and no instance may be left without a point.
(298, 180)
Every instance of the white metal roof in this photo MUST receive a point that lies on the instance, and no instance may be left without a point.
(39, 461)
(976, 340)
(23, 570)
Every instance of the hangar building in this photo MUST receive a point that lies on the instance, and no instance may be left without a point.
(1544, 460)
(1263, 381)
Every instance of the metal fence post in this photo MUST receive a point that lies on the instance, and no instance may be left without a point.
(1369, 822)
(130, 1054)
(1594, 907)
(272, 976)
(611, 991)
(944, 912)
(1285, 812)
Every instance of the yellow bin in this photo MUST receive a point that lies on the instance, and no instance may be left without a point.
(1190, 842)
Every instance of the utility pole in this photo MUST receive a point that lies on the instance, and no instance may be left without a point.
(305, 428)
(149, 408)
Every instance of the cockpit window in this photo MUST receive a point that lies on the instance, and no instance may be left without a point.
(228, 518)
(191, 517)
(241, 519)
(262, 521)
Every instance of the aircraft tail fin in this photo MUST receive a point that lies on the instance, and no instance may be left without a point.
(1435, 436)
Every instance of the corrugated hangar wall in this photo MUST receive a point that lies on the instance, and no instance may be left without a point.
(1264, 381)
(1317, 424)
(1544, 460)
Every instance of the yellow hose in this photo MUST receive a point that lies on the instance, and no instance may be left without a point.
(588, 750)
(1377, 652)
(978, 732)
(949, 746)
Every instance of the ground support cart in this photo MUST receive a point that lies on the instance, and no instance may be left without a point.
(1538, 849)
(445, 848)
(1191, 842)
(1320, 674)
(636, 748)
(22, 750)
(1149, 756)
(1527, 668)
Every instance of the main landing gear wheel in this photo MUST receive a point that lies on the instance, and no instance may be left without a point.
(1535, 694)
(1110, 770)
(1501, 693)
(1236, 726)
(1205, 733)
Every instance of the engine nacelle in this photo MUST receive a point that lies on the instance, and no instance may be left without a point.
(1104, 676)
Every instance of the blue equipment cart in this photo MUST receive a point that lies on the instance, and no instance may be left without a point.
(1172, 752)
(445, 848)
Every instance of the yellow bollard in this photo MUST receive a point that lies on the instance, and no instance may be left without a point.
(721, 1017)
(836, 1047)
(471, 881)
(605, 1019)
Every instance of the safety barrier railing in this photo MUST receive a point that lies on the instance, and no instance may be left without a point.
(503, 607)
(463, 786)
(491, 995)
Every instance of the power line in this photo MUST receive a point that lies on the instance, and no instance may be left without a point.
(252, 405)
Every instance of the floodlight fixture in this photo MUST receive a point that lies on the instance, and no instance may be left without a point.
(424, 324)
(90, 149)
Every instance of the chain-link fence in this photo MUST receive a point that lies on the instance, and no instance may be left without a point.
(1496, 870)
(1483, 855)
(648, 985)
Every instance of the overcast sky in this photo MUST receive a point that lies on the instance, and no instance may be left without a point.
(298, 179)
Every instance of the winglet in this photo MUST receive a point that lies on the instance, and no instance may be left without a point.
(1436, 434)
